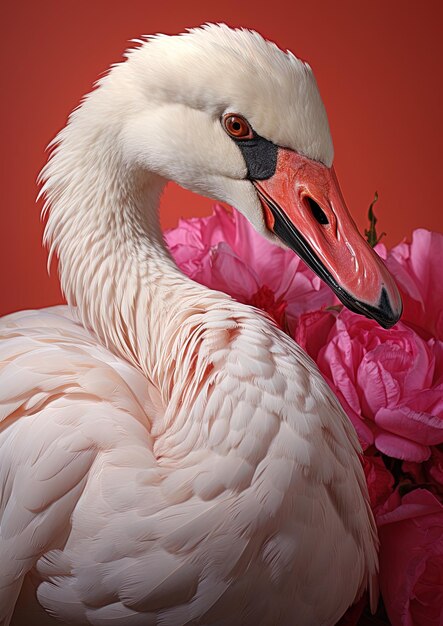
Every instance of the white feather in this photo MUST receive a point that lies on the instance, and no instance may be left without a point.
(168, 456)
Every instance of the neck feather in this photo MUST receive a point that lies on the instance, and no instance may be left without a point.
(113, 263)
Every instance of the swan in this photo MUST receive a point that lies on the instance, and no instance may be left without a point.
(168, 455)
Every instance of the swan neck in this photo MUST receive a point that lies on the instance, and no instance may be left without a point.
(114, 265)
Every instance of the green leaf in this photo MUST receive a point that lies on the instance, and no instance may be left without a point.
(371, 232)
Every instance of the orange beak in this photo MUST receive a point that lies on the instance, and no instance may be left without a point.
(304, 207)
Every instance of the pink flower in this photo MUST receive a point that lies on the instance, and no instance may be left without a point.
(411, 559)
(417, 270)
(389, 383)
(224, 252)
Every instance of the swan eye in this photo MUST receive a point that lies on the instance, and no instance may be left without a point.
(236, 126)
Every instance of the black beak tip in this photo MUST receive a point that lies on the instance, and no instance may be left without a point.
(386, 316)
(383, 313)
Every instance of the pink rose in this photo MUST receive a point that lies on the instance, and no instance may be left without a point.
(411, 559)
(389, 383)
(224, 252)
(417, 270)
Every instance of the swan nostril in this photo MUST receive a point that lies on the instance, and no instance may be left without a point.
(316, 210)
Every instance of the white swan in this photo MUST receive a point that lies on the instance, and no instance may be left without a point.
(168, 455)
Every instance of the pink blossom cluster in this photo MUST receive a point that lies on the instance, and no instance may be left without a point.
(389, 382)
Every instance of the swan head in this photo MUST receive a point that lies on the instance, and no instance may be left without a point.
(227, 114)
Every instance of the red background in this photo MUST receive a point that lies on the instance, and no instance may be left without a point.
(377, 62)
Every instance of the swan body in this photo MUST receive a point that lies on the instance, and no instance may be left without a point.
(168, 455)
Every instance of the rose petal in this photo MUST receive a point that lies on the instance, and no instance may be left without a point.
(380, 388)
(417, 270)
(226, 272)
(405, 422)
(364, 432)
(401, 448)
